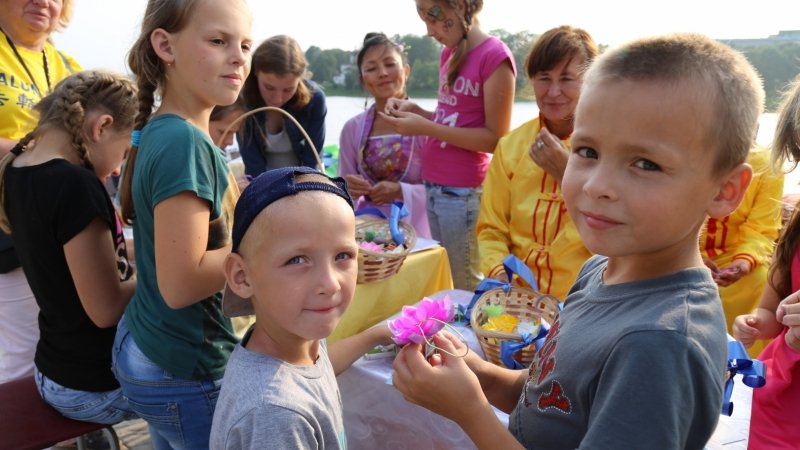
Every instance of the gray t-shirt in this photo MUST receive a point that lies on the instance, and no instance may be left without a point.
(632, 365)
(268, 403)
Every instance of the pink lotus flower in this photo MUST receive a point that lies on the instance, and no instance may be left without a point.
(415, 324)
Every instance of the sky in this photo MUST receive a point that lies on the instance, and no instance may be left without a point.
(102, 31)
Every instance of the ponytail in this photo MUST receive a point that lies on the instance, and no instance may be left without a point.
(171, 16)
(146, 101)
(471, 8)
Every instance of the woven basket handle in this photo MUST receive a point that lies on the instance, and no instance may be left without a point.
(512, 265)
(289, 116)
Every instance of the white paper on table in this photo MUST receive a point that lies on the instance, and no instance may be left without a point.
(424, 244)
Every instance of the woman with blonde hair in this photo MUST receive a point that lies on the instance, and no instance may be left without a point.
(522, 210)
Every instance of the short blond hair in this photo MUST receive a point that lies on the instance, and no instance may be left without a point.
(729, 82)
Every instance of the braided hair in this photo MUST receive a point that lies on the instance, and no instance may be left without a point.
(66, 108)
(471, 9)
(150, 71)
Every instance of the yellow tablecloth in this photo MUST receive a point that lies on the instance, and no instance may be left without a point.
(422, 274)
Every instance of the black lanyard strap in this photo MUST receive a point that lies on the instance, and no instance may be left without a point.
(28, 71)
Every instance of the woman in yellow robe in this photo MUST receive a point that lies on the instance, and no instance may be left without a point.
(522, 211)
(738, 247)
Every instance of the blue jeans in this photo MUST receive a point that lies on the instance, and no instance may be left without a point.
(107, 407)
(452, 215)
(178, 411)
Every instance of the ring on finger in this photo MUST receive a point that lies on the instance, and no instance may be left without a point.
(539, 144)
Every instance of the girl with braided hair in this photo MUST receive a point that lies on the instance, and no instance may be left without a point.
(173, 341)
(476, 93)
(70, 241)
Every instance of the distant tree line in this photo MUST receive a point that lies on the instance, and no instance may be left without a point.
(335, 69)
(778, 65)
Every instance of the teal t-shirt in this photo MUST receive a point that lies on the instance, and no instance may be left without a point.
(174, 156)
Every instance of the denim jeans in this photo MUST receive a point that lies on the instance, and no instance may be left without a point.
(452, 215)
(108, 407)
(178, 411)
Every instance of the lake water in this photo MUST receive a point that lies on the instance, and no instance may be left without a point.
(340, 109)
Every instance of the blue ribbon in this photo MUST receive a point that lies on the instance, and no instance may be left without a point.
(512, 266)
(399, 211)
(508, 348)
(752, 370)
(136, 135)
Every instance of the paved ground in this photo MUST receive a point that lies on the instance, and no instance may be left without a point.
(133, 435)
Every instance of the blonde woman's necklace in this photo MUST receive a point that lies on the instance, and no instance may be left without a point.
(28, 71)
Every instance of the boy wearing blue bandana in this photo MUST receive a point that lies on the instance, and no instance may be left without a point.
(294, 265)
(637, 357)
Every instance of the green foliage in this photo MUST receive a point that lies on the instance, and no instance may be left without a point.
(778, 64)
(519, 44)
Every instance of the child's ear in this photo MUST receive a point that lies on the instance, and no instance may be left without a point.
(162, 45)
(731, 191)
(100, 126)
(235, 269)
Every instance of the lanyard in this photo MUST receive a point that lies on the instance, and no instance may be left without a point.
(25, 66)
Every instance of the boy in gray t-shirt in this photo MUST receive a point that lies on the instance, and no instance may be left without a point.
(294, 265)
(637, 357)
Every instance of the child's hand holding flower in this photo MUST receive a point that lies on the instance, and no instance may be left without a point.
(420, 323)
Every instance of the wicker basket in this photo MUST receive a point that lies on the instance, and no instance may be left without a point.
(376, 266)
(521, 302)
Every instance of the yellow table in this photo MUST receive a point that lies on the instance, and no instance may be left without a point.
(422, 274)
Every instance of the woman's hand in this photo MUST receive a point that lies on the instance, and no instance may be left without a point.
(357, 185)
(549, 153)
(733, 272)
(385, 192)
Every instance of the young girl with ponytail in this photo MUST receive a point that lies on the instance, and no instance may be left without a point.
(70, 240)
(173, 341)
(476, 93)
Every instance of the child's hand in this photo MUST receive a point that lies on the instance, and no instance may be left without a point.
(444, 385)
(472, 359)
(788, 314)
(405, 122)
(396, 104)
(242, 182)
(746, 329)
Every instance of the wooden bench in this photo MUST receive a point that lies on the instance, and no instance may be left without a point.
(27, 422)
